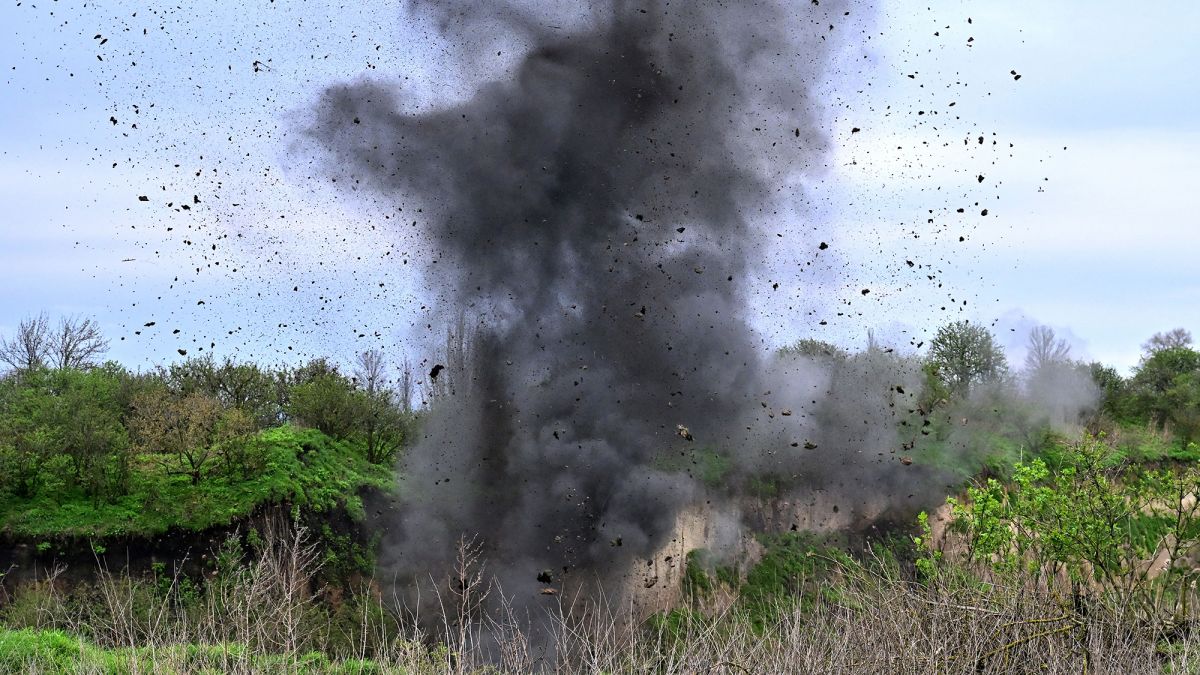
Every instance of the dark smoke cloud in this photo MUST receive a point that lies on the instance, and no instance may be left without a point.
(596, 209)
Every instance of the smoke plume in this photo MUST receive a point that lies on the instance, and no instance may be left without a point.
(596, 207)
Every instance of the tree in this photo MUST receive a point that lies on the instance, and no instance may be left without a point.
(964, 355)
(1156, 375)
(406, 387)
(816, 349)
(1114, 391)
(236, 385)
(1059, 388)
(75, 343)
(371, 372)
(1095, 518)
(327, 403)
(189, 428)
(1172, 339)
(27, 349)
(382, 423)
(1183, 405)
(65, 426)
(1046, 350)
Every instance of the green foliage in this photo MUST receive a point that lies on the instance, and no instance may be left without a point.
(63, 425)
(54, 652)
(928, 559)
(302, 467)
(243, 386)
(697, 583)
(1165, 384)
(344, 555)
(1182, 401)
(1115, 401)
(963, 355)
(672, 628)
(327, 402)
(1093, 516)
(331, 403)
(706, 464)
(790, 574)
(815, 349)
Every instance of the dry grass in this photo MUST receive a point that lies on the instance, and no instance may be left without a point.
(268, 617)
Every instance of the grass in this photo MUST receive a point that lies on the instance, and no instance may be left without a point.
(54, 652)
(859, 616)
(300, 467)
(707, 465)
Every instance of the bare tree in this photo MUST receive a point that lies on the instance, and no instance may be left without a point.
(1045, 350)
(371, 371)
(445, 378)
(406, 386)
(76, 343)
(28, 348)
(1172, 339)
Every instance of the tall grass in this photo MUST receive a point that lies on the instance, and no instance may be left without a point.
(267, 616)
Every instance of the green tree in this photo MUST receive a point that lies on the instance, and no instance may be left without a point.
(964, 355)
(815, 349)
(64, 425)
(1155, 376)
(1114, 391)
(190, 430)
(327, 402)
(1183, 407)
(244, 386)
(1093, 517)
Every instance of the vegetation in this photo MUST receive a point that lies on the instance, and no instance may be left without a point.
(963, 355)
(298, 467)
(1076, 552)
(54, 652)
(97, 451)
(866, 614)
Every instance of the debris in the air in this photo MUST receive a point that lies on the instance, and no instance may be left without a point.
(545, 577)
(182, 352)
(683, 432)
(549, 591)
(809, 445)
(143, 198)
(437, 369)
(906, 460)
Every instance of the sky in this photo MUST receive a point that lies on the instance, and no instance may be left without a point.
(1088, 165)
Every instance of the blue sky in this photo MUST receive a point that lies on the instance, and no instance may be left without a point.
(1099, 239)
